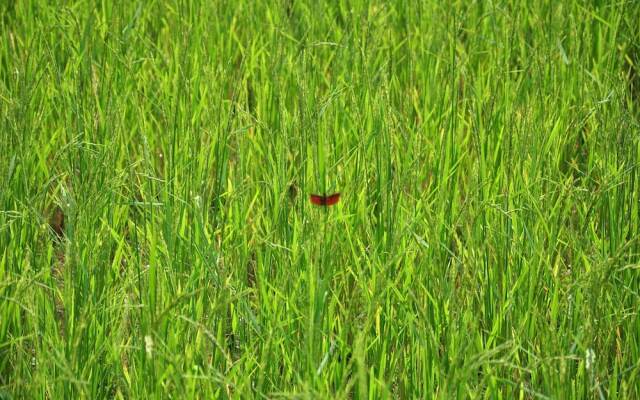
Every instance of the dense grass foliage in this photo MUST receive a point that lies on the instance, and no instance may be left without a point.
(157, 241)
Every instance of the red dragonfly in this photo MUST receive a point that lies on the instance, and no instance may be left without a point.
(329, 200)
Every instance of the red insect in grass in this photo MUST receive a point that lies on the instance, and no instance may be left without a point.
(320, 200)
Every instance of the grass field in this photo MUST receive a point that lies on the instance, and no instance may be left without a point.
(157, 239)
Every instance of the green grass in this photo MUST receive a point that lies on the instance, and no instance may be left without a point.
(486, 244)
